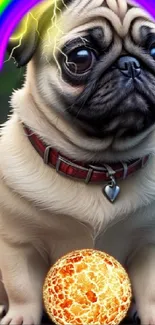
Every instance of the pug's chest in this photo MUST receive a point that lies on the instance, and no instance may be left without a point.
(121, 239)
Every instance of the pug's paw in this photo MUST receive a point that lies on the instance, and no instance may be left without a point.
(22, 315)
(2, 311)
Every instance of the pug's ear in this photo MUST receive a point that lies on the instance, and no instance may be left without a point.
(22, 49)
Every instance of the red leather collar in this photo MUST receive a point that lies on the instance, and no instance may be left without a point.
(77, 170)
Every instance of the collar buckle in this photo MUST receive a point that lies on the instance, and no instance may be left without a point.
(46, 155)
(69, 163)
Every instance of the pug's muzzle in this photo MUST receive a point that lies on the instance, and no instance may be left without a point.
(120, 102)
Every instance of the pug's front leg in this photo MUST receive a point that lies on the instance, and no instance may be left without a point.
(23, 273)
(142, 274)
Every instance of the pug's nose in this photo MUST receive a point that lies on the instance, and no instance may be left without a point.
(129, 66)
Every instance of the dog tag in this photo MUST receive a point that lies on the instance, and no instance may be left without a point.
(111, 190)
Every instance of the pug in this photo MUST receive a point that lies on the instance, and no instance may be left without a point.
(77, 166)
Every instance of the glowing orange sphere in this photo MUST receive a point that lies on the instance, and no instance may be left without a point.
(87, 287)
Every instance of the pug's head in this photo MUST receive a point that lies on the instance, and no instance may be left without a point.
(95, 65)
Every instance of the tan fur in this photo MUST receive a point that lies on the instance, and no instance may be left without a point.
(44, 215)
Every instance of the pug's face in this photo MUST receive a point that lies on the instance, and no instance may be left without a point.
(96, 66)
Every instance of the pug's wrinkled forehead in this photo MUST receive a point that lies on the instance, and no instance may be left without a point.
(62, 21)
(81, 17)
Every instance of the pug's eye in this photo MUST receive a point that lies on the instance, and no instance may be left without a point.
(152, 51)
(80, 61)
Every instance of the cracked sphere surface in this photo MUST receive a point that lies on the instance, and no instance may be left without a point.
(87, 287)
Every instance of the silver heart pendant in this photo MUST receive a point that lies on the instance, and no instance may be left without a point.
(111, 192)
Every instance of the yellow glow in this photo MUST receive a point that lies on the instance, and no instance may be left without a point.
(53, 33)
